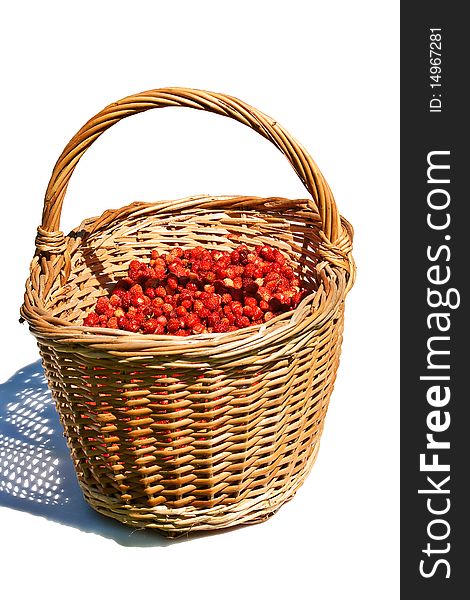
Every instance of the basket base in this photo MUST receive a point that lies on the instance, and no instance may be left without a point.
(172, 522)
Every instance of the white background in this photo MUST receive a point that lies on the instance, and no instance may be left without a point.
(328, 71)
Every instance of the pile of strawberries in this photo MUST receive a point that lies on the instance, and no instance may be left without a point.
(192, 291)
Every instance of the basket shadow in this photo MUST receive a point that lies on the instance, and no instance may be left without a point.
(36, 471)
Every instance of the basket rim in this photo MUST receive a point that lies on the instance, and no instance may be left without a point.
(314, 310)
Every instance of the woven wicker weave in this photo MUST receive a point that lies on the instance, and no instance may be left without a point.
(211, 430)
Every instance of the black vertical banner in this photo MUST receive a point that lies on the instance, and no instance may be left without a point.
(435, 267)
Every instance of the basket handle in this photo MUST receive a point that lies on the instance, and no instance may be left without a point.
(306, 169)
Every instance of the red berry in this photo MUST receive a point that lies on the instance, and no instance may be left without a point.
(181, 311)
(150, 326)
(113, 323)
(263, 305)
(212, 302)
(236, 308)
(241, 322)
(136, 289)
(91, 320)
(172, 282)
(279, 257)
(235, 257)
(265, 294)
(248, 311)
(173, 325)
(102, 305)
(222, 327)
(137, 300)
(115, 300)
(132, 325)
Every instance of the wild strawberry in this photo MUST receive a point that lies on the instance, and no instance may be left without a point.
(213, 319)
(222, 327)
(115, 301)
(134, 265)
(279, 257)
(249, 270)
(206, 264)
(212, 302)
(187, 304)
(122, 322)
(263, 305)
(173, 325)
(203, 313)
(162, 320)
(137, 300)
(103, 320)
(241, 322)
(237, 283)
(91, 320)
(150, 293)
(190, 320)
(172, 282)
(147, 310)
(102, 305)
(154, 255)
(159, 330)
(167, 308)
(132, 325)
(181, 311)
(113, 323)
(157, 302)
(159, 272)
(257, 313)
(237, 308)
(267, 253)
(235, 257)
(264, 294)
(270, 285)
(268, 316)
(250, 301)
(177, 252)
(248, 311)
(177, 269)
(136, 289)
(150, 326)
(170, 299)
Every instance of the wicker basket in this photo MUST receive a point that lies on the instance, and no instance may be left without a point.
(211, 430)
